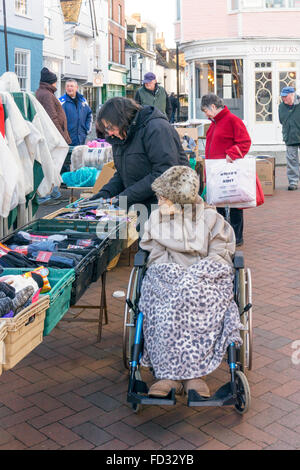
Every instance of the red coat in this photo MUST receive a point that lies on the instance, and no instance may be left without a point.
(227, 135)
(2, 127)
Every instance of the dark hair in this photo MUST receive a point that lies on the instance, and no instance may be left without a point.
(209, 99)
(119, 112)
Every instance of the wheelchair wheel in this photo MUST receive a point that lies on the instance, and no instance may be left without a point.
(245, 298)
(243, 402)
(249, 335)
(129, 326)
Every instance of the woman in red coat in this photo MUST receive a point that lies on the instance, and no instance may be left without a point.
(227, 137)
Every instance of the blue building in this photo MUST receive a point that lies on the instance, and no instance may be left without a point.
(25, 35)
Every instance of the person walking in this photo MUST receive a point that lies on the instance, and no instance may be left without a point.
(289, 117)
(152, 94)
(174, 106)
(79, 114)
(227, 137)
(144, 146)
(45, 94)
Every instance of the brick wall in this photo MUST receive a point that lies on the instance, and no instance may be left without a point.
(118, 33)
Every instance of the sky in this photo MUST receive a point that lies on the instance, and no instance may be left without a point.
(160, 12)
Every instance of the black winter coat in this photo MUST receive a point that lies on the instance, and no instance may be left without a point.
(151, 147)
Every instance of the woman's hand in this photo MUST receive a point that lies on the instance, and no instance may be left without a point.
(229, 159)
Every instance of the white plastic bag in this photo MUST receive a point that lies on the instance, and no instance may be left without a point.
(231, 184)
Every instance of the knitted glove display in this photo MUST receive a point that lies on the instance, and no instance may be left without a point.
(6, 305)
(21, 298)
(8, 290)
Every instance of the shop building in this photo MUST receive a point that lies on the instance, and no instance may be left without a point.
(245, 51)
(24, 20)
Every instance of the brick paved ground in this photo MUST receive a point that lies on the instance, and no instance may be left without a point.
(70, 392)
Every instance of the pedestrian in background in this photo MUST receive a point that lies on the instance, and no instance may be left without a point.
(289, 117)
(227, 137)
(79, 114)
(46, 96)
(174, 106)
(152, 94)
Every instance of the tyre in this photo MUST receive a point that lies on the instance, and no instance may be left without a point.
(243, 400)
(128, 325)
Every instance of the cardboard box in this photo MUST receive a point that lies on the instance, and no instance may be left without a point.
(265, 169)
(106, 174)
(191, 132)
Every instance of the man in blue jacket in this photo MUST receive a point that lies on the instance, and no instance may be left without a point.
(79, 114)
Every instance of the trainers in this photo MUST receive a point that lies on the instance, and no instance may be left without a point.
(292, 187)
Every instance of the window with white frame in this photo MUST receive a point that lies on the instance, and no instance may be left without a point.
(47, 26)
(120, 51)
(22, 68)
(75, 58)
(21, 7)
(120, 14)
(111, 46)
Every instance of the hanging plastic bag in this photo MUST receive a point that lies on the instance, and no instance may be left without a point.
(231, 184)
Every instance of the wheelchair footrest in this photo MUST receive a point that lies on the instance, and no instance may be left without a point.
(222, 397)
(137, 396)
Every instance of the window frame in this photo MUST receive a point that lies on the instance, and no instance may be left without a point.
(18, 5)
(27, 52)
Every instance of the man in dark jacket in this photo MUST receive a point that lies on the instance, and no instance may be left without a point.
(289, 117)
(143, 149)
(45, 95)
(79, 114)
(153, 95)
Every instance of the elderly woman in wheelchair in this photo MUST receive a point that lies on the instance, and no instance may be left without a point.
(190, 317)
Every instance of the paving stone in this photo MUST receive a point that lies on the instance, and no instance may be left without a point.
(92, 433)
(60, 434)
(125, 433)
(104, 401)
(26, 434)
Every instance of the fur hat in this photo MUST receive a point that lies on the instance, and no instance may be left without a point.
(179, 184)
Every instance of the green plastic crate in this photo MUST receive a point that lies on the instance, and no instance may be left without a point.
(61, 281)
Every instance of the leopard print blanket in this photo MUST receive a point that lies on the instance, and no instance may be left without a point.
(190, 318)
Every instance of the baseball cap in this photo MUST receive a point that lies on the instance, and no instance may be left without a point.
(287, 90)
(148, 77)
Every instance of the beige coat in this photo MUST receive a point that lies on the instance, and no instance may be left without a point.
(185, 241)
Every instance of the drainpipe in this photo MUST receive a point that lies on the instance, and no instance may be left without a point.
(5, 35)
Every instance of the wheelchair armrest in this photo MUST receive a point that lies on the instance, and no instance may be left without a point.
(140, 258)
(238, 260)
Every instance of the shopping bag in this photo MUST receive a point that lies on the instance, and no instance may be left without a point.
(231, 184)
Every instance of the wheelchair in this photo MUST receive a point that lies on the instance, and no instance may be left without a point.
(235, 392)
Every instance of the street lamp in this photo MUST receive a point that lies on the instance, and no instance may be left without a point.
(140, 61)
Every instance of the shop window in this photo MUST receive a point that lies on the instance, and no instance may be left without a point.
(263, 96)
(287, 79)
(230, 84)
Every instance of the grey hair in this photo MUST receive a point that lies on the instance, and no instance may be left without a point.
(209, 99)
(71, 80)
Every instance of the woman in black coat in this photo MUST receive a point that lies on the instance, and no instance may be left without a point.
(144, 146)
